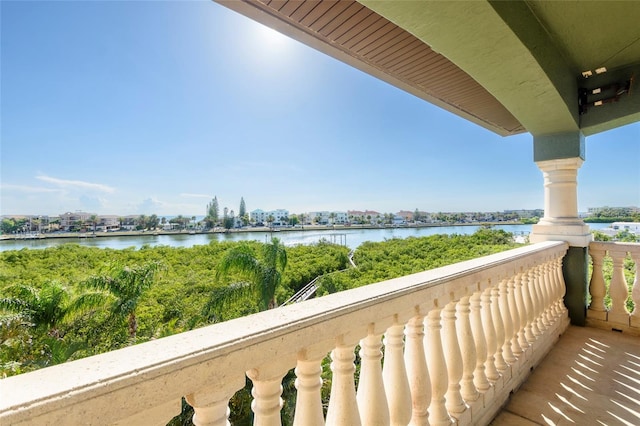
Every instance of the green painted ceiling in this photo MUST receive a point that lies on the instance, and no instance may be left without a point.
(531, 55)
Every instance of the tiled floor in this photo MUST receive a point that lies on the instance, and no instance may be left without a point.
(591, 377)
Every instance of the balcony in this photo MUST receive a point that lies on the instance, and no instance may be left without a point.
(449, 345)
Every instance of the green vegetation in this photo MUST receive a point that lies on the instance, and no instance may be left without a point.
(397, 257)
(613, 214)
(85, 295)
(70, 301)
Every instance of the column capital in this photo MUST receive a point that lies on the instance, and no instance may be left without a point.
(560, 164)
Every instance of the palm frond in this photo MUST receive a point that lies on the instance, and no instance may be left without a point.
(87, 302)
(13, 305)
(223, 297)
(240, 259)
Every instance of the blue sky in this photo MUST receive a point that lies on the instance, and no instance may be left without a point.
(135, 107)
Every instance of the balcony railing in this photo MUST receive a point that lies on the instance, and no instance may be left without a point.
(608, 308)
(456, 341)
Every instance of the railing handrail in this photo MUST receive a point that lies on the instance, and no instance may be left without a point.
(614, 245)
(164, 370)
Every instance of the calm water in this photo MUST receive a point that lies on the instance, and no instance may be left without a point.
(349, 237)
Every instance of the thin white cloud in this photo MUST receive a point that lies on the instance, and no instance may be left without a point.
(64, 183)
(189, 195)
(25, 188)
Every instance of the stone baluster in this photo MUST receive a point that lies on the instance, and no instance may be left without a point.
(211, 405)
(516, 350)
(468, 350)
(522, 310)
(309, 386)
(394, 375)
(547, 318)
(498, 324)
(490, 333)
(371, 396)
(635, 291)
(343, 406)
(528, 303)
(596, 284)
(438, 415)
(554, 292)
(618, 289)
(531, 296)
(549, 302)
(480, 343)
(537, 297)
(455, 404)
(266, 392)
(417, 372)
(561, 287)
(507, 321)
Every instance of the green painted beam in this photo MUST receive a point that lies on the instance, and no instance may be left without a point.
(503, 47)
(560, 145)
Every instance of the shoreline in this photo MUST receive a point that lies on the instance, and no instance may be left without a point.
(218, 230)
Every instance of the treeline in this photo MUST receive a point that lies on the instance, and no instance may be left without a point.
(614, 214)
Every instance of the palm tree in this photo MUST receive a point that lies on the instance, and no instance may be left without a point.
(94, 220)
(122, 291)
(46, 308)
(262, 276)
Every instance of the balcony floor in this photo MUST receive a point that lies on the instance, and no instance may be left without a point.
(590, 377)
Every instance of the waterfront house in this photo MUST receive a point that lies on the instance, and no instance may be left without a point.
(459, 341)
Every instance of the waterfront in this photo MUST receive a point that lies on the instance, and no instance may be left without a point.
(350, 237)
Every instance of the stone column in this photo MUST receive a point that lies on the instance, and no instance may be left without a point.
(559, 157)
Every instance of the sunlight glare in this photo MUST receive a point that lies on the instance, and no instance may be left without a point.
(271, 39)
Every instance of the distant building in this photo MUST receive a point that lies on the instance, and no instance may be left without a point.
(280, 216)
(70, 221)
(107, 223)
(326, 217)
(367, 216)
(633, 227)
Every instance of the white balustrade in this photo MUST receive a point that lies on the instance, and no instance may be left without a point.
(507, 321)
(522, 311)
(618, 290)
(468, 350)
(490, 334)
(394, 374)
(309, 388)
(479, 374)
(496, 315)
(516, 350)
(371, 395)
(417, 372)
(451, 347)
(435, 349)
